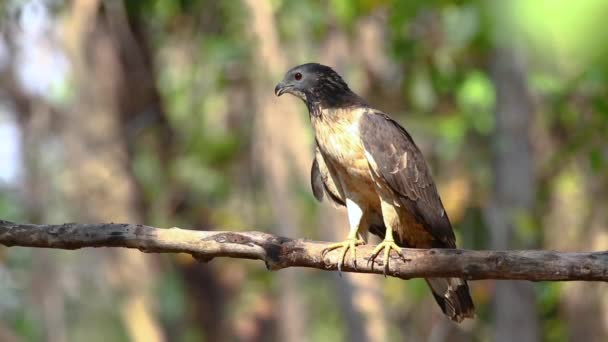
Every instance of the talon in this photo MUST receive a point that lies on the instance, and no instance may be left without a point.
(385, 245)
(347, 244)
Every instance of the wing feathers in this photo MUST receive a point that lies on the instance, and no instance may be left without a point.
(321, 181)
(393, 156)
(316, 181)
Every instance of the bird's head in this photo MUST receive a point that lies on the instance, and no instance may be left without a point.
(317, 85)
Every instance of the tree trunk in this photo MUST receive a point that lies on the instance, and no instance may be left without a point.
(99, 184)
(515, 314)
(278, 150)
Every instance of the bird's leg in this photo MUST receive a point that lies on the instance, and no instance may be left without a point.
(354, 218)
(387, 244)
(390, 215)
(351, 243)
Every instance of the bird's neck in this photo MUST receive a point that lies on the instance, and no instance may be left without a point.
(314, 108)
(322, 100)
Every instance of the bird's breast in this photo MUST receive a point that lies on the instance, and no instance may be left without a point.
(337, 134)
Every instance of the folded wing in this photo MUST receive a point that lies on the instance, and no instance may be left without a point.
(322, 182)
(394, 157)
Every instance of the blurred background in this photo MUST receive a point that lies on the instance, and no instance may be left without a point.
(162, 112)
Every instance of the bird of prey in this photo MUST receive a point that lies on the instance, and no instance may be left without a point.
(367, 162)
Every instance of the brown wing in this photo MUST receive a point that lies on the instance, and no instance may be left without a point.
(393, 156)
(321, 180)
(316, 182)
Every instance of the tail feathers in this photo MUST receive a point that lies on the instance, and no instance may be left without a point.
(452, 295)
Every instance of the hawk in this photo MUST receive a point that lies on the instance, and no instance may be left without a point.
(366, 161)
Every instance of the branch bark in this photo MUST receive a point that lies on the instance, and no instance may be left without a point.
(280, 252)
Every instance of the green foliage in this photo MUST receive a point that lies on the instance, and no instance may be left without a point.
(172, 302)
(476, 98)
(327, 322)
(9, 208)
(204, 59)
(549, 297)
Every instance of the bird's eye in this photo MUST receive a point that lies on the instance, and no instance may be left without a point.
(297, 76)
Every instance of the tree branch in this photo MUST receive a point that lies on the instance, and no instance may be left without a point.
(280, 252)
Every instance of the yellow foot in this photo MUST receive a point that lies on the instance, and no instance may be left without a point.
(387, 245)
(346, 244)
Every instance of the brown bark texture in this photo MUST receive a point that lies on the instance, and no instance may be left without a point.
(282, 252)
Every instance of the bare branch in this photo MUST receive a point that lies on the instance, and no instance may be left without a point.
(280, 252)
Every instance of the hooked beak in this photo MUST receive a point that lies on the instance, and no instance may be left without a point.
(281, 88)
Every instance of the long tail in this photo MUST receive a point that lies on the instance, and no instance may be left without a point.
(452, 295)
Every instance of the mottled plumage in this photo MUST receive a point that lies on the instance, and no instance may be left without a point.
(367, 162)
